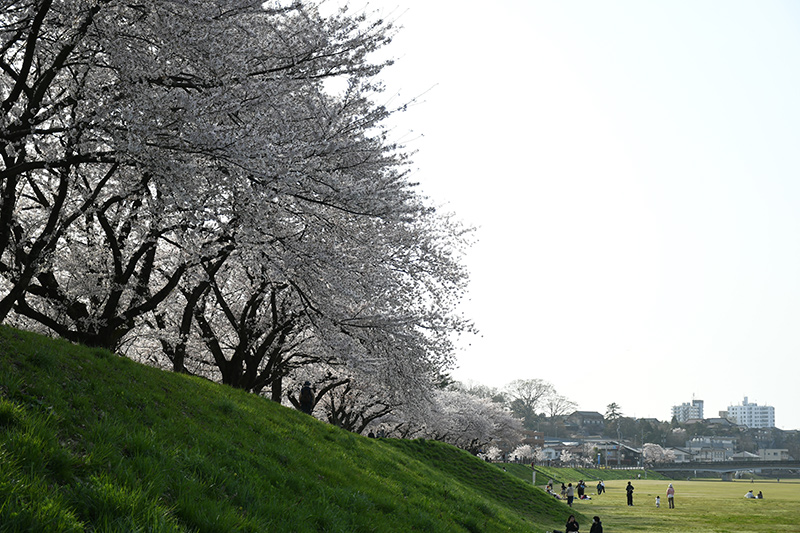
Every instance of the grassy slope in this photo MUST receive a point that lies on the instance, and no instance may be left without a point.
(590, 475)
(93, 442)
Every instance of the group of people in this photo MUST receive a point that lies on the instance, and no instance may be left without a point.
(572, 525)
(568, 491)
(597, 527)
(751, 495)
(670, 497)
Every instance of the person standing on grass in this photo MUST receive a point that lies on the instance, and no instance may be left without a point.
(671, 496)
(307, 398)
(570, 494)
(629, 492)
(597, 525)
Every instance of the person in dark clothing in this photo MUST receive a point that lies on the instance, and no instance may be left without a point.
(581, 489)
(597, 526)
(306, 398)
(572, 524)
(629, 492)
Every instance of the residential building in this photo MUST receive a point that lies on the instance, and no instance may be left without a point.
(752, 415)
(688, 411)
(616, 453)
(681, 455)
(534, 438)
(586, 422)
(774, 454)
(711, 448)
(744, 456)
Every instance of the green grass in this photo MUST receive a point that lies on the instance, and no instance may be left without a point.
(93, 442)
(717, 506)
(590, 475)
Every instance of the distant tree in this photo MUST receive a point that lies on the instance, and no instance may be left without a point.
(566, 457)
(539, 455)
(493, 453)
(629, 429)
(525, 396)
(468, 422)
(613, 411)
(613, 416)
(522, 453)
(676, 437)
(653, 453)
(558, 406)
(481, 391)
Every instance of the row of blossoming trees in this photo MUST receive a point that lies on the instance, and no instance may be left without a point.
(210, 186)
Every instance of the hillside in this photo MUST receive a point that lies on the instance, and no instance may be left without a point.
(90, 441)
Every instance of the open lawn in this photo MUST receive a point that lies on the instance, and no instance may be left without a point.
(709, 506)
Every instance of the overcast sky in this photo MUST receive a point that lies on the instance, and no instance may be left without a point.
(633, 169)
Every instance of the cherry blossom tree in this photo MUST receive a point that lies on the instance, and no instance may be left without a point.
(566, 457)
(492, 453)
(49, 102)
(539, 455)
(523, 452)
(470, 423)
(653, 453)
(179, 170)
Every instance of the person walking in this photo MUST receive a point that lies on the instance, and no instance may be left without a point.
(597, 525)
(671, 496)
(629, 492)
(570, 494)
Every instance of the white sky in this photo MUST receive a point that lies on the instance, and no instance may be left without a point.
(634, 171)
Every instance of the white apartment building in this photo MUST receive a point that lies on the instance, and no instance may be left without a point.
(752, 415)
(688, 411)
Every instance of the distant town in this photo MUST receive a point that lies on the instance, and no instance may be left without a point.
(743, 433)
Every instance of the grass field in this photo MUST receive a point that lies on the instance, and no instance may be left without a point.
(91, 442)
(709, 506)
